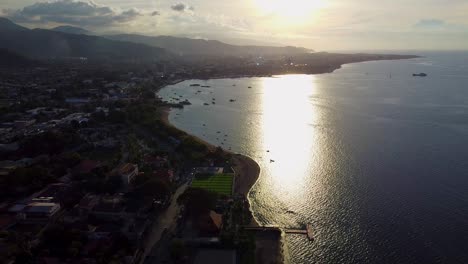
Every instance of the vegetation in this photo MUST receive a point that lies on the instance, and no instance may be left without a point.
(23, 181)
(198, 201)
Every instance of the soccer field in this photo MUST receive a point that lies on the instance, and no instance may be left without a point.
(220, 183)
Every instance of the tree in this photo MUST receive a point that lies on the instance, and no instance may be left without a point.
(153, 189)
(198, 201)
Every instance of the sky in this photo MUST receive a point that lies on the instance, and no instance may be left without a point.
(323, 25)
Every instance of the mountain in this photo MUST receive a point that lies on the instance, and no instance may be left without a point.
(187, 46)
(47, 44)
(7, 25)
(72, 30)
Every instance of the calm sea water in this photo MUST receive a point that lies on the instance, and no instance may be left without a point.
(375, 159)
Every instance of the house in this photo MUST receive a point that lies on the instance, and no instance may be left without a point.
(128, 173)
(86, 166)
(39, 211)
(110, 207)
(156, 161)
(87, 204)
(164, 174)
(210, 224)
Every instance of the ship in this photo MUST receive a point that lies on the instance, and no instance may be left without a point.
(422, 74)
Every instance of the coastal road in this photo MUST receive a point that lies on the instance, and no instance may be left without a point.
(164, 222)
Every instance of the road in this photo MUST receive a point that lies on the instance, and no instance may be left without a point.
(165, 221)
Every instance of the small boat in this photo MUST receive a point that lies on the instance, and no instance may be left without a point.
(272, 161)
(206, 104)
(204, 124)
(195, 85)
(268, 151)
(250, 87)
(290, 212)
(422, 74)
(309, 232)
(232, 100)
(205, 86)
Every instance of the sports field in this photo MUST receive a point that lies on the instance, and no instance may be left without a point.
(219, 183)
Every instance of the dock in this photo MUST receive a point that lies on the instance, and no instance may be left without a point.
(308, 231)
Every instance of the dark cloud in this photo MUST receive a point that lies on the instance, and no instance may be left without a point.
(181, 7)
(79, 13)
(155, 13)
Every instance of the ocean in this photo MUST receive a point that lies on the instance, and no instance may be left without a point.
(376, 160)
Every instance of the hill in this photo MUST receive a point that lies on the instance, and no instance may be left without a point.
(187, 46)
(47, 44)
(72, 30)
(8, 26)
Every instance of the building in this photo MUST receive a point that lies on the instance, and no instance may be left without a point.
(164, 174)
(39, 211)
(209, 170)
(128, 173)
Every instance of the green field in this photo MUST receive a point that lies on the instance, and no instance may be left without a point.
(220, 183)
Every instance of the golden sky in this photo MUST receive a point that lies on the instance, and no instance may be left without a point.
(316, 24)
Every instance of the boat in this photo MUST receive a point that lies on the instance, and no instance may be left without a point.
(205, 86)
(206, 104)
(232, 100)
(195, 85)
(422, 74)
(250, 87)
(309, 232)
(186, 102)
(272, 161)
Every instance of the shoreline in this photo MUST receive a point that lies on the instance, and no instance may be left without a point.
(269, 244)
(246, 169)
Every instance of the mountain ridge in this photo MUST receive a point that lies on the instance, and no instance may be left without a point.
(188, 46)
(49, 44)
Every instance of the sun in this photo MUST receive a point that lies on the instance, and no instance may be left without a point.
(290, 9)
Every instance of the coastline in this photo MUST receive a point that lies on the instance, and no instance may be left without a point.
(269, 243)
(269, 246)
(247, 170)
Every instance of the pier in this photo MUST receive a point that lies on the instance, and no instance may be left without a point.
(296, 231)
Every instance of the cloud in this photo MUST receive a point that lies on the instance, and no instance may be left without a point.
(181, 7)
(73, 12)
(430, 23)
(155, 13)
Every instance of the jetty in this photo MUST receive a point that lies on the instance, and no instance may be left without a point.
(308, 231)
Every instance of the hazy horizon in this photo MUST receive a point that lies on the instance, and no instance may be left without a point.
(316, 24)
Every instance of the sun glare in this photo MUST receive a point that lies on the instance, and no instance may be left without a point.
(290, 10)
